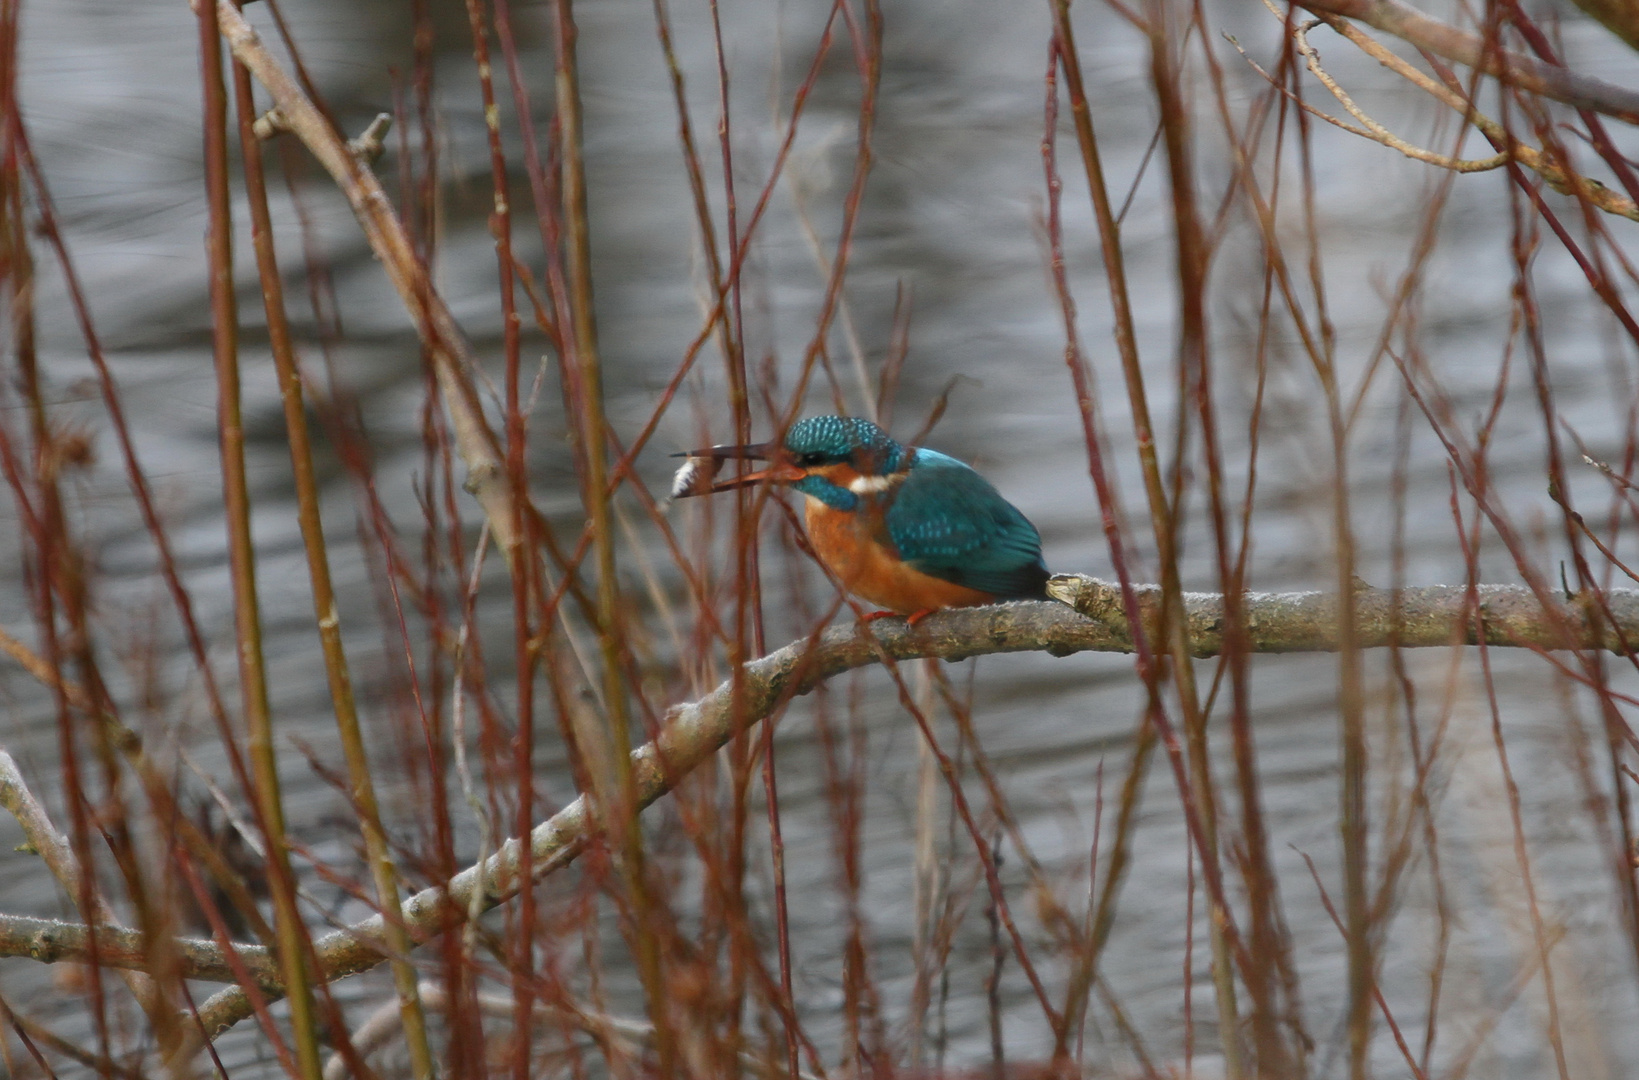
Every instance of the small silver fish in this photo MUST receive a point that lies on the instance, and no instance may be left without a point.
(694, 477)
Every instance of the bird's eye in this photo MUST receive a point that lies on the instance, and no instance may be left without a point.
(810, 459)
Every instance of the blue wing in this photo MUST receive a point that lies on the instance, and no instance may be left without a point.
(947, 521)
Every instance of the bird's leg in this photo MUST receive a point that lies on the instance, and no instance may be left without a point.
(910, 620)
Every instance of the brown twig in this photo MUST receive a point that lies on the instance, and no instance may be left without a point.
(1443, 39)
(1544, 164)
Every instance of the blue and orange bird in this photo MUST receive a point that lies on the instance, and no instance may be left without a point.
(906, 528)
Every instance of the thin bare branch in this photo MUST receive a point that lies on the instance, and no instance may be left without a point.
(453, 360)
(1443, 39)
(1543, 164)
(1369, 129)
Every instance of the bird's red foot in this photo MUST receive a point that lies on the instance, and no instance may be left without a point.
(910, 620)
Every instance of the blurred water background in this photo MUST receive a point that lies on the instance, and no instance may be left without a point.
(952, 219)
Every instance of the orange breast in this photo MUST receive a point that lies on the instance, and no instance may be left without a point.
(869, 567)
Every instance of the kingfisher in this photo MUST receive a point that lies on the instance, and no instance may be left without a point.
(908, 529)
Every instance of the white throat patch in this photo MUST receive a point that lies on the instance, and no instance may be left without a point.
(871, 485)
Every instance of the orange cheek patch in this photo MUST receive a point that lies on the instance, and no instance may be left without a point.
(841, 474)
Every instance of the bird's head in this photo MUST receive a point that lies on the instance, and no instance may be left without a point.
(820, 456)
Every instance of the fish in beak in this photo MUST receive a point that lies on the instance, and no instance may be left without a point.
(698, 475)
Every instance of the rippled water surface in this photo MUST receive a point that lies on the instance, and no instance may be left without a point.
(953, 221)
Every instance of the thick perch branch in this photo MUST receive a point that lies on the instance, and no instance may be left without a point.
(1089, 620)
(1418, 618)
(52, 941)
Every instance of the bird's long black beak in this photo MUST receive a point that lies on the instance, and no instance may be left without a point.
(749, 452)
(699, 472)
